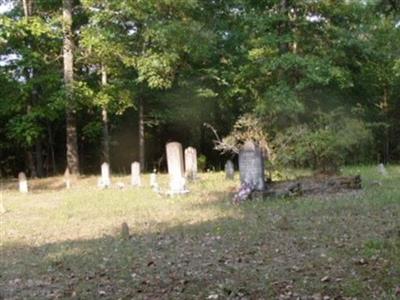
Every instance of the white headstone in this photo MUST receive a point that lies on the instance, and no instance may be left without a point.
(382, 170)
(229, 170)
(23, 183)
(190, 163)
(153, 179)
(105, 175)
(251, 165)
(153, 182)
(67, 178)
(135, 174)
(175, 168)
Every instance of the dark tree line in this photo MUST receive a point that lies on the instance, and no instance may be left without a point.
(108, 80)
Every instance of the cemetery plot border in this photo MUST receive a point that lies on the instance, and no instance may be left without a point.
(310, 186)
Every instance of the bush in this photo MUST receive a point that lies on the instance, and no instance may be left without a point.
(201, 162)
(247, 128)
(323, 145)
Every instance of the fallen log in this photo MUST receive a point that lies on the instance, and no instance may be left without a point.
(310, 186)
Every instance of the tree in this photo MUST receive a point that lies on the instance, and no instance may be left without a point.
(158, 38)
(68, 56)
(188, 62)
(30, 43)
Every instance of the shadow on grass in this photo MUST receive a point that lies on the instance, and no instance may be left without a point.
(258, 254)
(185, 261)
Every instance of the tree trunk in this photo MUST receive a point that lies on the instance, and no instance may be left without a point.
(39, 158)
(31, 163)
(142, 153)
(28, 7)
(283, 26)
(38, 143)
(68, 47)
(386, 142)
(51, 149)
(104, 115)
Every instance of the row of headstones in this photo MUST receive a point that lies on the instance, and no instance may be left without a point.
(136, 181)
(251, 167)
(178, 171)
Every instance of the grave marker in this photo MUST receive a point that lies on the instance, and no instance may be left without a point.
(382, 170)
(105, 175)
(251, 165)
(190, 163)
(135, 174)
(153, 180)
(67, 178)
(23, 183)
(175, 168)
(229, 170)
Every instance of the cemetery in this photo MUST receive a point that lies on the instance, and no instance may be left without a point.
(169, 149)
(180, 235)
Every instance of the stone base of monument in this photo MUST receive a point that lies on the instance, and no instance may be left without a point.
(103, 184)
(177, 186)
(310, 186)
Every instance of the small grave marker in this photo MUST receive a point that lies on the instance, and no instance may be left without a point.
(67, 178)
(135, 174)
(105, 175)
(382, 170)
(190, 163)
(229, 170)
(153, 180)
(124, 231)
(23, 183)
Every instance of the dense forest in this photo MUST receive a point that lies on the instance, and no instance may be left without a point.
(87, 81)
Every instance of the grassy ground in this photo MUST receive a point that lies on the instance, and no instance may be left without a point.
(59, 244)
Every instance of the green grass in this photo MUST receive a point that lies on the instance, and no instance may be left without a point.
(58, 243)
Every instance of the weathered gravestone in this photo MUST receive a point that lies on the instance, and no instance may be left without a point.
(382, 170)
(190, 163)
(67, 178)
(175, 168)
(124, 231)
(23, 183)
(105, 181)
(251, 166)
(229, 170)
(153, 180)
(135, 174)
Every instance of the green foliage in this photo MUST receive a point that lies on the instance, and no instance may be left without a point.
(202, 162)
(92, 131)
(157, 69)
(324, 145)
(24, 130)
(192, 62)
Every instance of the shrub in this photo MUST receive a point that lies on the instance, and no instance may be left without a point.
(247, 128)
(201, 162)
(322, 145)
